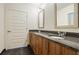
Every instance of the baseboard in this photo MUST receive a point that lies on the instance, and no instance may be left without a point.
(2, 51)
(17, 47)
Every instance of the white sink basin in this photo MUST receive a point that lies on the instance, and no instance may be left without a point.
(56, 37)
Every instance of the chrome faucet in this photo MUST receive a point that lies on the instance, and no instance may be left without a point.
(61, 34)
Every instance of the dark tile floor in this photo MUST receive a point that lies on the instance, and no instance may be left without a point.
(19, 51)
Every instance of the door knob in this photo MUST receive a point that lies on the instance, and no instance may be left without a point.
(9, 31)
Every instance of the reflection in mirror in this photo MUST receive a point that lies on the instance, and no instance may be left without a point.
(71, 18)
(66, 13)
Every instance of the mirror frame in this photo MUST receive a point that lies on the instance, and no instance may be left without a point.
(43, 12)
(76, 18)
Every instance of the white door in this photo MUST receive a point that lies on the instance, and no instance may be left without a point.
(16, 28)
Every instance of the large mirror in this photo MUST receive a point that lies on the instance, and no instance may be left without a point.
(41, 19)
(67, 15)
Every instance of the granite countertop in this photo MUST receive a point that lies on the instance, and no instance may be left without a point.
(70, 41)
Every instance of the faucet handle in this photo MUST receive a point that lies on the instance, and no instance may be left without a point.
(59, 33)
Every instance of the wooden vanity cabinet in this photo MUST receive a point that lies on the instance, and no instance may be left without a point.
(43, 46)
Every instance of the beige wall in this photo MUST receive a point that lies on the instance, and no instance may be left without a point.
(49, 17)
(1, 27)
(32, 17)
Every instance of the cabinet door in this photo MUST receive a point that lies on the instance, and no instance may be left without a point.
(44, 46)
(54, 48)
(68, 51)
(36, 44)
(33, 42)
(51, 48)
(58, 48)
(40, 44)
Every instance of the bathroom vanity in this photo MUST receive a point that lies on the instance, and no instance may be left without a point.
(43, 44)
